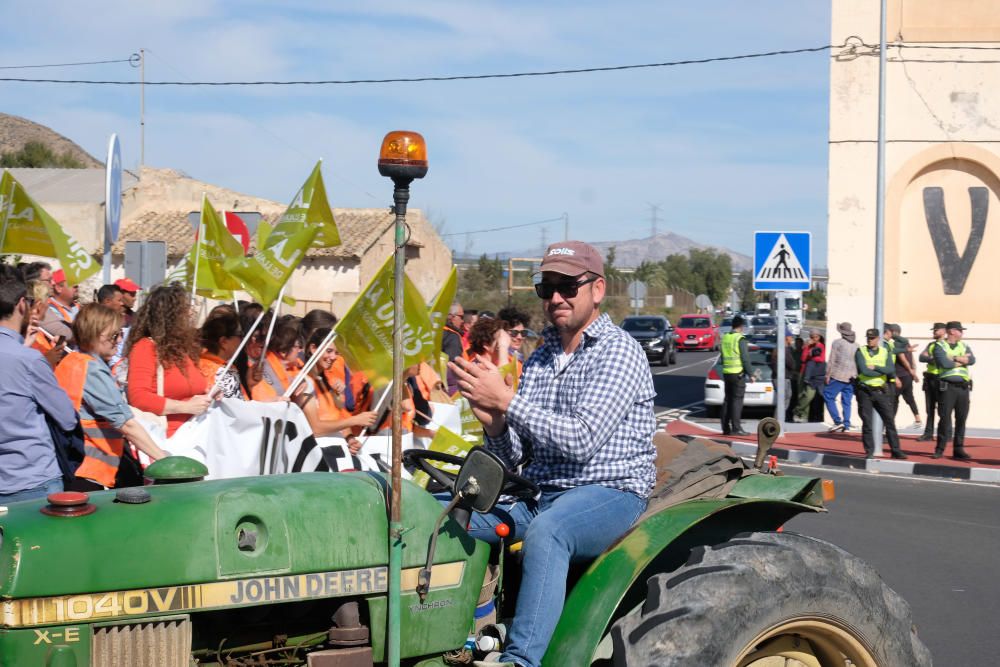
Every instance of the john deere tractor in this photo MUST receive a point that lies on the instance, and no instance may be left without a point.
(293, 570)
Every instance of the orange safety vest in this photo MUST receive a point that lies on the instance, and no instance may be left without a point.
(209, 364)
(103, 444)
(42, 343)
(67, 315)
(275, 373)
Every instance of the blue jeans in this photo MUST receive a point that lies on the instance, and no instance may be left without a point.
(51, 486)
(846, 392)
(563, 527)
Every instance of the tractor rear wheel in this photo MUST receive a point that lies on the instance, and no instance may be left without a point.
(764, 599)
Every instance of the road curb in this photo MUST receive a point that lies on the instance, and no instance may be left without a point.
(891, 466)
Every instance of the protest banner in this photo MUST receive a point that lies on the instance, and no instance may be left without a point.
(236, 438)
(26, 228)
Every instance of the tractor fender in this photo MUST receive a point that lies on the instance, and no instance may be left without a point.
(616, 581)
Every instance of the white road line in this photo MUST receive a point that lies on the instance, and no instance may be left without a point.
(883, 475)
(691, 365)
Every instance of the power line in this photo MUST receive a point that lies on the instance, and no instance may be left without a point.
(500, 229)
(460, 77)
(132, 60)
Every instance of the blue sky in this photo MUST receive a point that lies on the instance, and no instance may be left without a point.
(724, 149)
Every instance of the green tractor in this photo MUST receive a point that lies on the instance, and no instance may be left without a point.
(293, 570)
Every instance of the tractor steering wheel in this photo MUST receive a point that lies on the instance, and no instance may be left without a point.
(514, 485)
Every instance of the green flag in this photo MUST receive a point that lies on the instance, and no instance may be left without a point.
(311, 208)
(441, 305)
(366, 329)
(214, 245)
(28, 229)
(282, 248)
(446, 442)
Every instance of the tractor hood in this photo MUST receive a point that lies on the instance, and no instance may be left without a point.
(215, 531)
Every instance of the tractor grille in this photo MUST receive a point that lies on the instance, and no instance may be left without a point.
(162, 643)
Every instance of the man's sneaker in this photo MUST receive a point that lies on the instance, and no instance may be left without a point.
(836, 428)
(899, 455)
(961, 456)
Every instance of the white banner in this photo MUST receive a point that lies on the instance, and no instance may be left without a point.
(247, 438)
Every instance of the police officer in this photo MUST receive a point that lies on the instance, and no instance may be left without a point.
(875, 373)
(735, 370)
(953, 357)
(931, 372)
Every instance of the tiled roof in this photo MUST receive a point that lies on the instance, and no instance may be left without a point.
(359, 229)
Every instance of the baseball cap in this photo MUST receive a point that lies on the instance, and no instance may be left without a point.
(58, 276)
(127, 285)
(571, 258)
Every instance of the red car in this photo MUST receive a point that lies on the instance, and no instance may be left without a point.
(697, 332)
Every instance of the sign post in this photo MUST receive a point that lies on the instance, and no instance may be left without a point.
(781, 261)
(112, 201)
(636, 293)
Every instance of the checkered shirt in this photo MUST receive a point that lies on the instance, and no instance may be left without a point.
(590, 423)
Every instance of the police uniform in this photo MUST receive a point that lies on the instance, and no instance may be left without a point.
(954, 385)
(735, 368)
(931, 392)
(875, 375)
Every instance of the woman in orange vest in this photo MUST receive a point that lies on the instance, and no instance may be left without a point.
(220, 336)
(281, 363)
(107, 420)
(325, 405)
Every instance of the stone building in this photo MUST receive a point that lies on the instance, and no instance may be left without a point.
(942, 213)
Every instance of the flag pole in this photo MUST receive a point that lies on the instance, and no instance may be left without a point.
(243, 343)
(313, 360)
(270, 325)
(197, 247)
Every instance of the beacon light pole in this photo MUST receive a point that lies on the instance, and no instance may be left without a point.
(403, 158)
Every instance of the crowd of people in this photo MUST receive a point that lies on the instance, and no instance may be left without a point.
(107, 375)
(879, 375)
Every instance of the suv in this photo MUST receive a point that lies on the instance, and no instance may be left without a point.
(655, 335)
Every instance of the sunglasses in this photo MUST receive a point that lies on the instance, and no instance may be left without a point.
(566, 290)
(517, 333)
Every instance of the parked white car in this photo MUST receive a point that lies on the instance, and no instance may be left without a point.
(759, 392)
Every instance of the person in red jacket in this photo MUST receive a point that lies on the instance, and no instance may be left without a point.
(163, 343)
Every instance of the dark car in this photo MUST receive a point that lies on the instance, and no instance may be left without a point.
(763, 329)
(655, 335)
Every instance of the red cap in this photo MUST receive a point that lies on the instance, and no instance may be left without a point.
(127, 285)
(58, 276)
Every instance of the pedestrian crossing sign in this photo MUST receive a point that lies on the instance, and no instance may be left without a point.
(782, 261)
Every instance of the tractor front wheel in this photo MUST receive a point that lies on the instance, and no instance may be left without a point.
(765, 599)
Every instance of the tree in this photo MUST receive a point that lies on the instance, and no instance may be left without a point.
(35, 154)
(712, 272)
(610, 271)
(651, 273)
(744, 289)
(678, 272)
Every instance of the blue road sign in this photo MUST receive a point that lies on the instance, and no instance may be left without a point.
(782, 261)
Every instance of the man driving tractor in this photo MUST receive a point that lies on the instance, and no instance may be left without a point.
(580, 425)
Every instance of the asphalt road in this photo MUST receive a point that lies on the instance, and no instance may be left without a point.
(937, 543)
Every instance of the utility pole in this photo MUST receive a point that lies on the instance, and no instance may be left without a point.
(142, 110)
(468, 245)
(565, 217)
(880, 212)
(545, 240)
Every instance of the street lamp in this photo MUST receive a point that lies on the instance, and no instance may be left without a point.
(403, 158)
